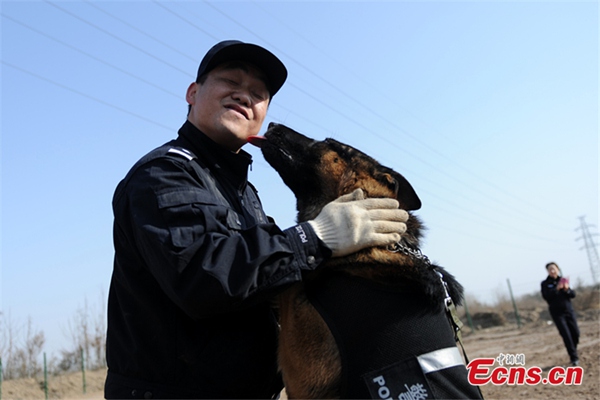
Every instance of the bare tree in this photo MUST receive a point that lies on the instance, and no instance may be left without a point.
(20, 359)
(87, 333)
(34, 342)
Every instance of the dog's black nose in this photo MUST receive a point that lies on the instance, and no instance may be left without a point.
(272, 125)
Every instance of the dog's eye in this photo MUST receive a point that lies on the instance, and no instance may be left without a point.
(336, 160)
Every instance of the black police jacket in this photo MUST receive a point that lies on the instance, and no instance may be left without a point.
(558, 300)
(196, 263)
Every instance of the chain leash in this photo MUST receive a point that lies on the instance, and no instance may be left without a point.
(448, 303)
(398, 247)
(451, 312)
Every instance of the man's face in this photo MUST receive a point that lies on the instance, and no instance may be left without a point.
(230, 105)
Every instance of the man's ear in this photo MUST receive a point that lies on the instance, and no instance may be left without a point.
(190, 95)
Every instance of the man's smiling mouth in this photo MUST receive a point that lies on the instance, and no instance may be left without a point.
(238, 109)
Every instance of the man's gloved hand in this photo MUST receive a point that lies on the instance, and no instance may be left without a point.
(352, 223)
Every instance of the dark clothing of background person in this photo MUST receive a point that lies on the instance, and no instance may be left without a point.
(563, 315)
(188, 228)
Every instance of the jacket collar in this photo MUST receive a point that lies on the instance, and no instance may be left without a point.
(232, 166)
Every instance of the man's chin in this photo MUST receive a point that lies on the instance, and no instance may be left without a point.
(235, 140)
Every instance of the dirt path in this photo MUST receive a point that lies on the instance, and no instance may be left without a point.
(543, 347)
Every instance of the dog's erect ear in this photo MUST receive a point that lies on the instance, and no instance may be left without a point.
(405, 193)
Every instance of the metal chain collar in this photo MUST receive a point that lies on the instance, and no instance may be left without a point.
(451, 312)
(399, 247)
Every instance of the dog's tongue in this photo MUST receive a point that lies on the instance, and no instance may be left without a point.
(257, 140)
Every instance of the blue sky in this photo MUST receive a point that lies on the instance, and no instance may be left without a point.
(489, 109)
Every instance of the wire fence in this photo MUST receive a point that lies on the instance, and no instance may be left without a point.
(46, 382)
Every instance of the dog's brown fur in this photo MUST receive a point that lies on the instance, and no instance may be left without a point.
(319, 172)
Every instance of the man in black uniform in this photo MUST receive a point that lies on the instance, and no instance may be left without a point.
(197, 261)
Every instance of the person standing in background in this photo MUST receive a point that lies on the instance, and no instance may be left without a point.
(558, 294)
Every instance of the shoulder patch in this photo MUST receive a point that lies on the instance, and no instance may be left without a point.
(182, 152)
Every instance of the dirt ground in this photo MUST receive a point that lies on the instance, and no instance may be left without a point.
(543, 347)
(539, 342)
(68, 386)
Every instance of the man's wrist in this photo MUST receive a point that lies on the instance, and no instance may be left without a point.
(310, 250)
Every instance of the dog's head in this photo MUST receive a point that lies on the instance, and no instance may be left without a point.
(320, 171)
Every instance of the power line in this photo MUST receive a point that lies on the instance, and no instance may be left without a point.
(393, 143)
(494, 199)
(93, 57)
(186, 73)
(306, 93)
(192, 24)
(85, 95)
(90, 3)
(444, 201)
(363, 106)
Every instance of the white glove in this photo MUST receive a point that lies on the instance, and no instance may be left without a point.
(352, 223)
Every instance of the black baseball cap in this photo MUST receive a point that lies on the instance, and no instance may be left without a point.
(234, 50)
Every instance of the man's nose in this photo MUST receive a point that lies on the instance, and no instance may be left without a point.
(243, 97)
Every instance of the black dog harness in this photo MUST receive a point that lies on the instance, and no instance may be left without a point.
(390, 344)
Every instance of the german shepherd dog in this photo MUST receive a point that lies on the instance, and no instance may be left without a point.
(371, 324)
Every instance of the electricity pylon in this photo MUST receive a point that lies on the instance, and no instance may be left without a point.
(590, 247)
